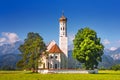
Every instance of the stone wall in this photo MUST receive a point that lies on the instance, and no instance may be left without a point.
(45, 71)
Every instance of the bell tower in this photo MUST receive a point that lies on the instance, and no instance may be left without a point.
(63, 40)
(63, 26)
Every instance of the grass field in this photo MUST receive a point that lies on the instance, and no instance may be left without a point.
(23, 75)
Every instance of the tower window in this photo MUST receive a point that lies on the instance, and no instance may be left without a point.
(63, 28)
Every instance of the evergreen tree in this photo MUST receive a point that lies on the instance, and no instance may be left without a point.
(87, 48)
(31, 51)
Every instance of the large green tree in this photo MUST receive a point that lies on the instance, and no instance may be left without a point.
(31, 50)
(87, 48)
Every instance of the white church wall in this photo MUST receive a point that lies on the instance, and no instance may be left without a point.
(54, 59)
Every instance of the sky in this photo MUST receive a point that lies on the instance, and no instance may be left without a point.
(19, 17)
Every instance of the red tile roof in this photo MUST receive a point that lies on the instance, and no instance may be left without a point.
(55, 49)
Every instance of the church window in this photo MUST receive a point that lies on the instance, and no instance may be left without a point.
(61, 28)
(56, 57)
(51, 57)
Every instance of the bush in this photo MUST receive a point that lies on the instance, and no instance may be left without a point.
(116, 67)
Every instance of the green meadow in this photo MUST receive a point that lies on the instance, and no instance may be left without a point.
(26, 75)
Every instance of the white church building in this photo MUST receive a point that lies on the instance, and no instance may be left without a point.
(57, 57)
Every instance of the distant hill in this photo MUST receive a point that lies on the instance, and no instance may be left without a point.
(8, 61)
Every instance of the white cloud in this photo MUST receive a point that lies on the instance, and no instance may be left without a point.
(106, 42)
(113, 48)
(8, 38)
(71, 37)
(2, 39)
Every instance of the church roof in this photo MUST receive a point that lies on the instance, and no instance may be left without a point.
(50, 45)
(55, 49)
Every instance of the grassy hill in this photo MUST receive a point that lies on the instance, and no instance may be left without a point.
(23, 75)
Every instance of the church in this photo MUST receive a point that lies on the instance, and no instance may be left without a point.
(57, 57)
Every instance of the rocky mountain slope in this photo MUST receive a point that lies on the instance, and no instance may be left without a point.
(9, 55)
(109, 57)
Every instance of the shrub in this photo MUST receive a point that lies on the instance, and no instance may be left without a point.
(116, 67)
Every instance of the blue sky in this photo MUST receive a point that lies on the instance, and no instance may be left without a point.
(42, 16)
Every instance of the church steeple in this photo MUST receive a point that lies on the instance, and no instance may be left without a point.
(63, 40)
(63, 25)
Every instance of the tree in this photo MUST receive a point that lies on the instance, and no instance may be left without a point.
(87, 48)
(31, 50)
(116, 67)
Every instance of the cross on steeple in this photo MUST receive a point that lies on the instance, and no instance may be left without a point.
(62, 13)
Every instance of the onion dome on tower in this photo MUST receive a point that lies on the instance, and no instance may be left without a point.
(63, 18)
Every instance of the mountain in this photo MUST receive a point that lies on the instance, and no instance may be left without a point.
(109, 57)
(9, 55)
(115, 54)
(10, 48)
(8, 61)
(70, 47)
(107, 61)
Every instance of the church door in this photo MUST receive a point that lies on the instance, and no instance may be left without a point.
(55, 66)
(48, 65)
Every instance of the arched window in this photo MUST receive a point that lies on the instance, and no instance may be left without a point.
(63, 28)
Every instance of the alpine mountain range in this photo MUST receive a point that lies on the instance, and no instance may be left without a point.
(10, 55)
